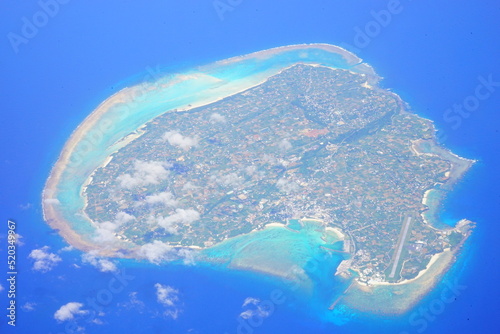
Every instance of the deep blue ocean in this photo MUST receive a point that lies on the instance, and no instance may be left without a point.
(434, 54)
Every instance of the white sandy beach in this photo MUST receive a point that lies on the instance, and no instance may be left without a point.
(337, 231)
(397, 298)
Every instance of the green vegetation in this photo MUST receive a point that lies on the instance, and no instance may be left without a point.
(310, 142)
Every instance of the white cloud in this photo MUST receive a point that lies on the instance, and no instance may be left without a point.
(287, 186)
(217, 118)
(104, 265)
(284, 145)
(250, 170)
(25, 206)
(152, 219)
(269, 159)
(105, 232)
(1, 288)
(162, 221)
(68, 311)
(44, 260)
(123, 218)
(231, 179)
(67, 249)
(189, 186)
(28, 307)
(168, 297)
(174, 138)
(170, 223)
(134, 299)
(250, 300)
(145, 173)
(174, 314)
(17, 239)
(156, 252)
(134, 302)
(53, 201)
(187, 255)
(162, 198)
(254, 308)
(181, 216)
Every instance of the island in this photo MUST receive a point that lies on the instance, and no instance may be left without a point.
(259, 162)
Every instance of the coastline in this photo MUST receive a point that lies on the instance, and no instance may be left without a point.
(458, 167)
(51, 212)
(337, 231)
(434, 258)
(425, 199)
(360, 295)
(274, 225)
(264, 54)
(396, 298)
